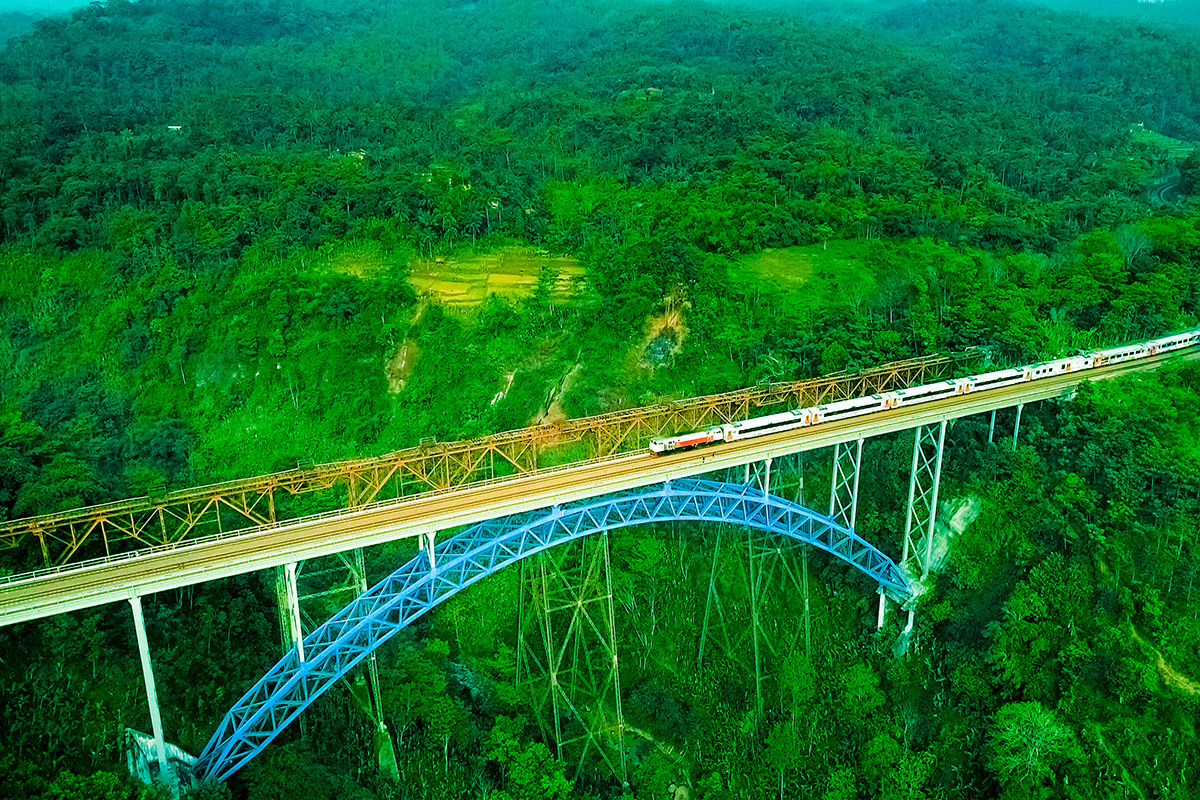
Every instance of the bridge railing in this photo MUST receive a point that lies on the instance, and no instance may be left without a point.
(247, 504)
(116, 558)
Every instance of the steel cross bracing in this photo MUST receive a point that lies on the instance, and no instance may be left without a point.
(246, 504)
(923, 497)
(843, 496)
(354, 632)
(567, 652)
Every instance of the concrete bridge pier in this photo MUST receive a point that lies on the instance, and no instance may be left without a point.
(165, 774)
(290, 628)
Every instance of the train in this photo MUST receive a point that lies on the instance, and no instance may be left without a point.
(858, 406)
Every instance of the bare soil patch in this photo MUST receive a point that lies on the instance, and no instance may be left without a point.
(400, 366)
(665, 333)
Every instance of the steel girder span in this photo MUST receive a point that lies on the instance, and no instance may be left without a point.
(375, 616)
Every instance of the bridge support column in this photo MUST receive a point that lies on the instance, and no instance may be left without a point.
(428, 547)
(882, 609)
(711, 598)
(428, 543)
(291, 629)
(992, 426)
(139, 626)
(1017, 424)
(923, 497)
(358, 569)
(843, 495)
(347, 578)
(787, 477)
(567, 652)
(807, 607)
(758, 474)
(385, 755)
(737, 594)
(754, 601)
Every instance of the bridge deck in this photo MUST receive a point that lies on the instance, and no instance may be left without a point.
(199, 511)
(94, 583)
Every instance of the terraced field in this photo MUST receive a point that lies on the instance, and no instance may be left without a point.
(464, 279)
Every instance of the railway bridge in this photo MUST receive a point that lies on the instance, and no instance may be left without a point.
(511, 496)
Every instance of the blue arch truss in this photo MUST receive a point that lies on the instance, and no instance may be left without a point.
(459, 561)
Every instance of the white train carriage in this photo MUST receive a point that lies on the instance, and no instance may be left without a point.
(772, 423)
(998, 378)
(853, 407)
(1176, 342)
(1117, 355)
(1058, 367)
(926, 393)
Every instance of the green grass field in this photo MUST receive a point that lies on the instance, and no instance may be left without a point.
(813, 276)
(1177, 148)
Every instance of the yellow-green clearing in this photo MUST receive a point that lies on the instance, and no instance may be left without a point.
(1176, 147)
(467, 279)
(816, 275)
(463, 279)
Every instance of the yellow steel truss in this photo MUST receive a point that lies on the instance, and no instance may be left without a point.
(251, 502)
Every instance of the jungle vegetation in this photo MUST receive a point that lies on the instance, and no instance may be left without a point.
(227, 233)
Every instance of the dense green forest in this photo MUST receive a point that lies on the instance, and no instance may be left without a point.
(231, 236)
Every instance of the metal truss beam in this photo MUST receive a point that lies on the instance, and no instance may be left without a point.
(461, 560)
(758, 475)
(923, 497)
(248, 504)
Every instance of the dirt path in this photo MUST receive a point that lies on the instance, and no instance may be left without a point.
(553, 411)
(1168, 673)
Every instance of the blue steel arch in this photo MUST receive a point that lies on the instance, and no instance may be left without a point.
(376, 615)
